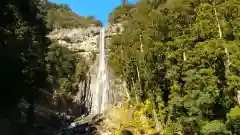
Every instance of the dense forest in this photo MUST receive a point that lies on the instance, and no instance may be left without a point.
(35, 70)
(182, 57)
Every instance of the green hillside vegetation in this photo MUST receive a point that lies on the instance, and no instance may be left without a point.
(65, 70)
(61, 16)
(183, 56)
(121, 13)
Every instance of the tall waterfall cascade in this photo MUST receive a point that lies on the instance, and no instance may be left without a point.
(100, 92)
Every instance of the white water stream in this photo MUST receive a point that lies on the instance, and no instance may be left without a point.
(100, 92)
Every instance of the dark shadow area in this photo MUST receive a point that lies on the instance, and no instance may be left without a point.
(126, 132)
(26, 83)
(22, 70)
(79, 110)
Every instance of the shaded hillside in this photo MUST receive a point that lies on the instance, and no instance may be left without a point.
(32, 69)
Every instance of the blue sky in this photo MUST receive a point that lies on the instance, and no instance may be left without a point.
(97, 8)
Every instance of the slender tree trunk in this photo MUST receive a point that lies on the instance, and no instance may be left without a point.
(228, 62)
(184, 56)
(158, 125)
(218, 24)
(139, 80)
(136, 97)
(141, 43)
(126, 91)
(142, 59)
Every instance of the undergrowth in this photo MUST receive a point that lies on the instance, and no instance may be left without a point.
(132, 118)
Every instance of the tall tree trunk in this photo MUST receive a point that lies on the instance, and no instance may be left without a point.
(158, 125)
(224, 94)
(139, 81)
(218, 24)
(136, 96)
(126, 91)
(227, 63)
(141, 43)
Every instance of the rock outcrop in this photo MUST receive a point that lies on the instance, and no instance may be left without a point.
(84, 42)
(80, 40)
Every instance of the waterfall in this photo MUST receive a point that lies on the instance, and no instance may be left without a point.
(100, 98)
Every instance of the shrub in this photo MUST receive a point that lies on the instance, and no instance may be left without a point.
(214, 128)
(233, 120)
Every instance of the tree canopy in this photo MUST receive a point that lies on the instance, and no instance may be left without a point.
(183, 56)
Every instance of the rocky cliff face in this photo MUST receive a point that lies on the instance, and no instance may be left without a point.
(85, 42)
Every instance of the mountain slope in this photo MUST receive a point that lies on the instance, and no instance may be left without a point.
(61, 16)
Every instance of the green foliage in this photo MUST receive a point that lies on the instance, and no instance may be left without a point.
(65, 68)
(233, 120)
(183, 56)
(215, 128)
(120, 13)
(138, 123)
